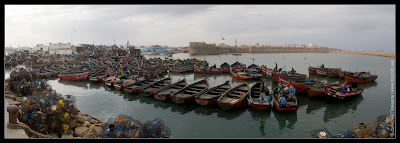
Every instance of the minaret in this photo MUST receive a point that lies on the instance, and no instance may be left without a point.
(235, 43)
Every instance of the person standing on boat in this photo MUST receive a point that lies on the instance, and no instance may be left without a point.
(276, 67)
(354, 85)
(280, 86)
(292, 91)
(322, 66)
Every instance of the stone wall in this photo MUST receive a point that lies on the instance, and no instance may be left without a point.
(201, 48)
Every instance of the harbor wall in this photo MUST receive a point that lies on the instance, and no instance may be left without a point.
(201, 48)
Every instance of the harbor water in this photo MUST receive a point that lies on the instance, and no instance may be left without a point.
(195, 121)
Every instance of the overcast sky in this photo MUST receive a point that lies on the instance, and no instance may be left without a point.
(365, 27)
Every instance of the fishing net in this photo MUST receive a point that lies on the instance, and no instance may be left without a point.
(347, 134)
(384, 126)
(124, 126)
(320, 133)
(365, 129)
(42, 109)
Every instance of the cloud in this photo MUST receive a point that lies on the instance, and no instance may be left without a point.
(340, 26)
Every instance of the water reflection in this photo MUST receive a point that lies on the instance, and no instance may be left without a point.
(77, 83)
(131, 97)
(232, 114)
(367, 85)
(182, 109)
(286, 119)
(336, 109)
(155, 102)
(261, 116)
(206, 110)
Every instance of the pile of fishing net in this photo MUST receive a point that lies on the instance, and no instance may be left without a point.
(124, 126)
(42, 109)
(384, 126)
(24, 82)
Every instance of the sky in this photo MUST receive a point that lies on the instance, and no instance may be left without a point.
(364, 27)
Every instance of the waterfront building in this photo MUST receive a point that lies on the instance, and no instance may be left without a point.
(60, 48)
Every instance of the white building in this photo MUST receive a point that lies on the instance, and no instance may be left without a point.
(40, 47)
(60, 48)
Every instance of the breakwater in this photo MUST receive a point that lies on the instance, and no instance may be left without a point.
(383, 54)
(201, 48)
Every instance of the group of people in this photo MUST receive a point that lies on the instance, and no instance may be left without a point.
(285, 92)
(352, 87)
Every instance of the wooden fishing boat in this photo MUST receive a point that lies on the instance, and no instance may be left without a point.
(41, 65)
(334, 72)
(201, 69)
(76, 75)
(236, 65)
(291, 103)
(322, 71)
(135, 88)
(153, 88)
(300, 86)
(211, 96)
(181, 69)
(312, 70)
(165, 93)
(234, 97)
(336, 91)
(267, 71)
(98, 76)
(254, 97)
(360, 77)
(317, 89)
(225, 68)
(240, 75)
(288, 75)
(189, 92)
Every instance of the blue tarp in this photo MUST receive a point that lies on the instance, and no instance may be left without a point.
(156, 49)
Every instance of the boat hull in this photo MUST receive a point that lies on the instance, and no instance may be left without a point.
(204, 102)
(200, 70)
(261, 106)
(321, 72)
(228, 106)
(73, 76)
(129, 90)
(162, 97)
(339, 94)
(359, 80)
(311, 92)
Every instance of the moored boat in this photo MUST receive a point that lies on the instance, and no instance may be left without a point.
(202, 69)
(256, 95)
(137, 86)
(322, 71)
(234, 97)
(165, 93)
(151, 89)
(317, 89)
(360, 77)
(291, 103)
(98, 76)
(210, 96)
(240, 75)
(77, 75)
(225, 68)
(334, 72)
(189, 92)
(336, 91)
(312, 70)
(267, 71)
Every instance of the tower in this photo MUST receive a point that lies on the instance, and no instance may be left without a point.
(235, 43)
